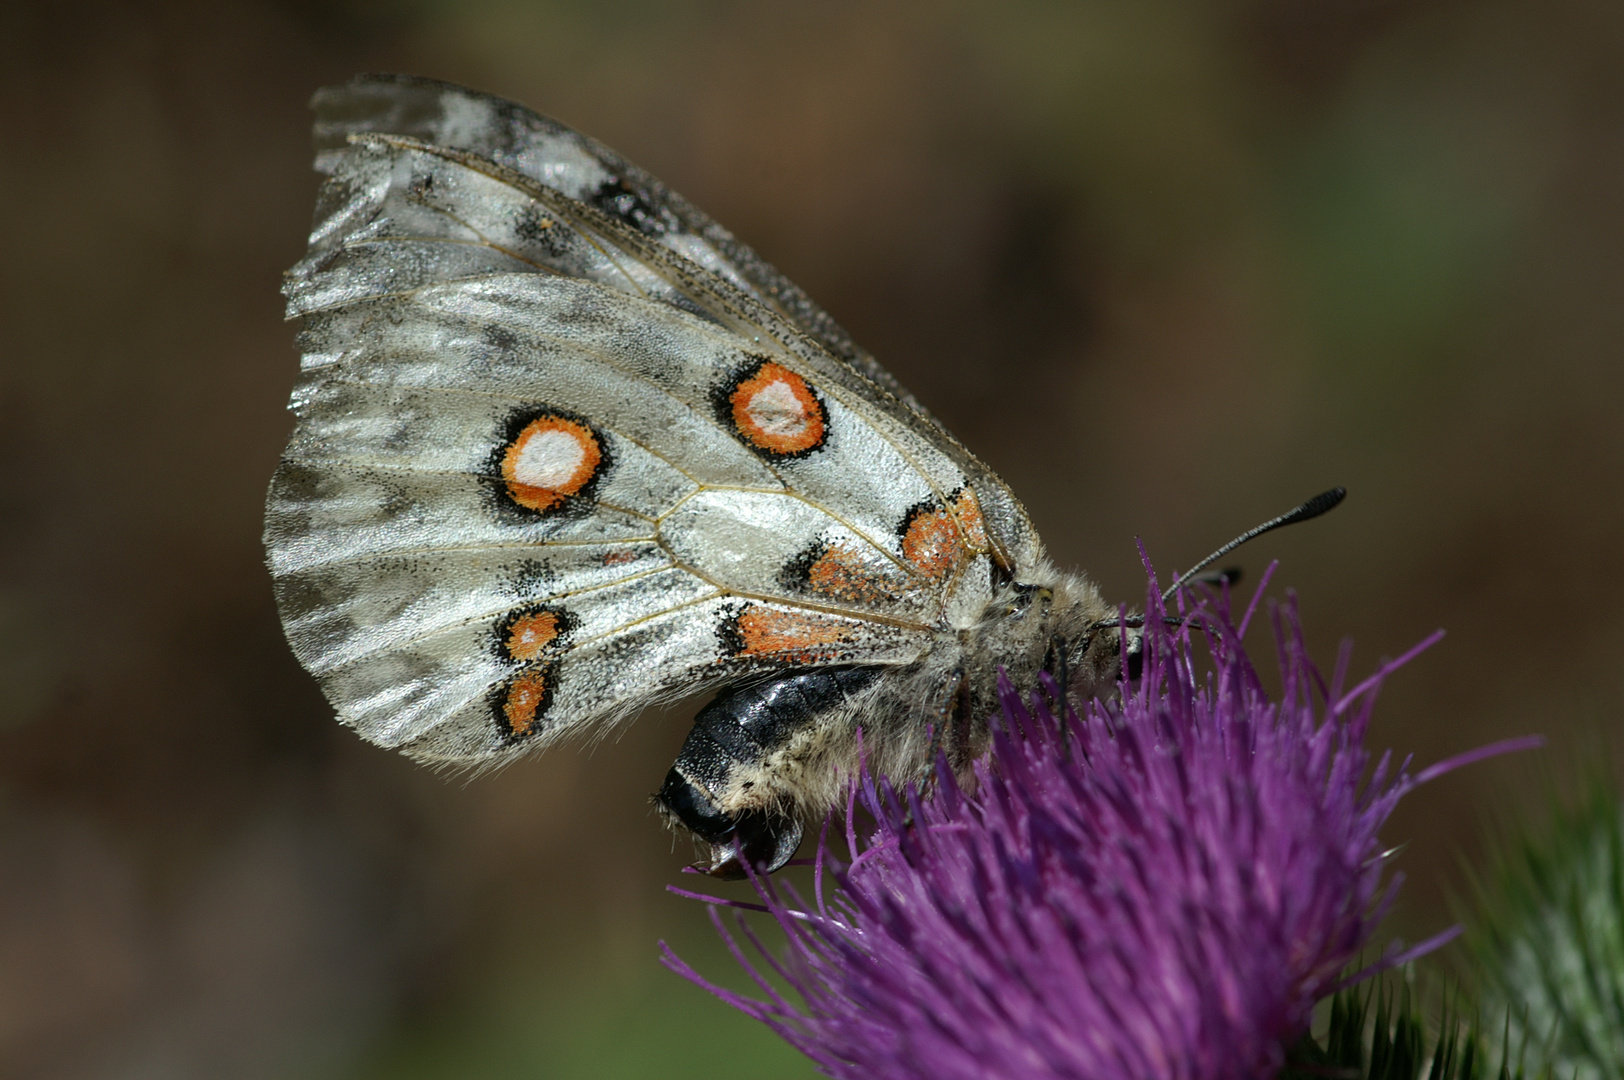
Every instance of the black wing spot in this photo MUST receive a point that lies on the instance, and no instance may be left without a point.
(619, 200)
(499, 338)
(796, 574)
(729, 640)
(532, 224)
(529, 578)
(421, 188)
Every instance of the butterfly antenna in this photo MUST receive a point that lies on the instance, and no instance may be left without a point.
(1313, 508)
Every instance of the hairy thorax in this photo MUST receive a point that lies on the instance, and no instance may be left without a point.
(944, 700)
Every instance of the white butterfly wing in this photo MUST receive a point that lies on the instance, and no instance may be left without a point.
(546, 472)
(558, 157)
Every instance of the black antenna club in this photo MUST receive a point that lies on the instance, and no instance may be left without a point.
(1313, 508)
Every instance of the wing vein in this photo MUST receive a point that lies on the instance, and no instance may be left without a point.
(470, 620)
(450, 548)
(502, 396)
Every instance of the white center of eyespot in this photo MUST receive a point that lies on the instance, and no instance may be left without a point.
(777, 410)
(549, 459)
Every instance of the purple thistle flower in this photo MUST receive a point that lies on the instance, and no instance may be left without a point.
(1161, 887)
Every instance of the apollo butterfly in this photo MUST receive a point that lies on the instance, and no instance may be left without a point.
(565, 449)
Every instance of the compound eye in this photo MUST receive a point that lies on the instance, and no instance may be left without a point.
(1025, 596)
(1134, 665)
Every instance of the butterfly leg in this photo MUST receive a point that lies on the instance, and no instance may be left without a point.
(729, 785)
(949, 714)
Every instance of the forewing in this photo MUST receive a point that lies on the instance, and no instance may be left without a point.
(397, 214)
(558, 157)
(553, 155)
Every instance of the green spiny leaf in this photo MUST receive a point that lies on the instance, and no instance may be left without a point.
(1380, 1031)
(1547, 936)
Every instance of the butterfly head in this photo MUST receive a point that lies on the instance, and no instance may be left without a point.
(1094, 647)
(1061, 626)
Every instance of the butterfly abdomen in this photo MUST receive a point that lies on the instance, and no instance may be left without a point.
(722, 786)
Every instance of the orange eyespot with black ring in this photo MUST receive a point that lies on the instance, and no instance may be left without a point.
(774, 411)
(548, 458)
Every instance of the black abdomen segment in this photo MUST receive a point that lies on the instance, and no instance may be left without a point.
(741, 727)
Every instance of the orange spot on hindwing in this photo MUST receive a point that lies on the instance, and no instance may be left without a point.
(796, 637)
(532, 636)
(774, 411)
(549, 458)
(521, 704)
(527, 634)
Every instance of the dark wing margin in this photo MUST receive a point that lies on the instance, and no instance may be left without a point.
(563, 159)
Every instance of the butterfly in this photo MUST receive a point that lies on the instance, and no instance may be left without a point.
(565, 449)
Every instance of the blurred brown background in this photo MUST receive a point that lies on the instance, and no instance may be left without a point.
(1169, 266)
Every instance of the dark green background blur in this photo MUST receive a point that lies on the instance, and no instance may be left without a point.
(1168, 266)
